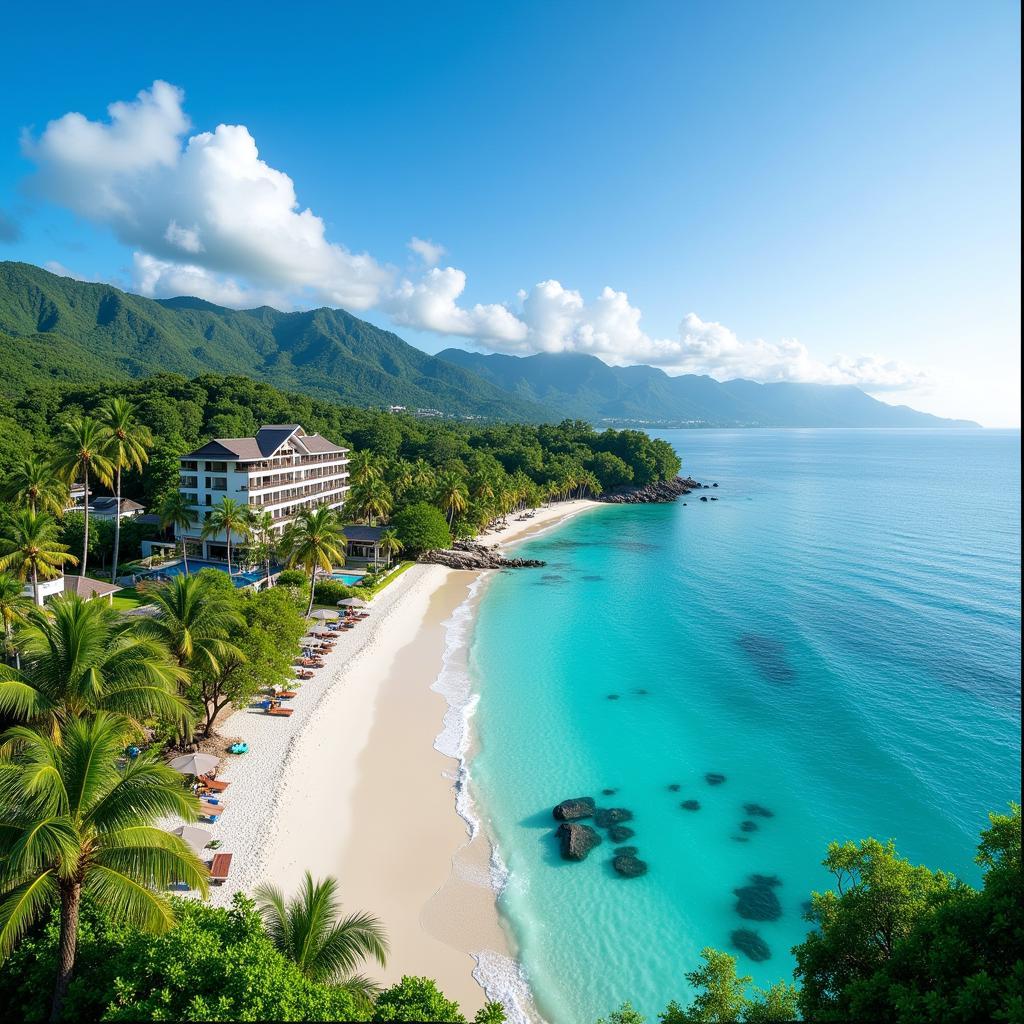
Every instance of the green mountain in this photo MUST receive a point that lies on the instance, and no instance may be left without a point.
(583, 386)
(55, 328)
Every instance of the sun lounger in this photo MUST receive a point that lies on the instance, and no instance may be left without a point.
(287, 694)
(214, 785)
(280, 712)
(210, 810)
(219, 868)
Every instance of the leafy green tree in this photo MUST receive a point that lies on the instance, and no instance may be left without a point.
(315, 540)
(877, 901)
(30, 482)
(959, 962)
(73, 823)
(30, 549)
(264, 533)
(231, 518)
(625, 1014)
(310, 930)
(418, 999)
(175, 512)
(82, 455)
(80, 658)
(422, 527)
(127, 447)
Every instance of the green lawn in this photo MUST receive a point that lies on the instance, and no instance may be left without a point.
(128, 598)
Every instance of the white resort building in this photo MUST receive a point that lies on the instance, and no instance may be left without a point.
(281, 470)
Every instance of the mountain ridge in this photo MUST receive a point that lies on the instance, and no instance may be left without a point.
(584, 386)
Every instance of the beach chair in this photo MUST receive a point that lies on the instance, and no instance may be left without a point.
(210, 810)
(214, 785)
(219, 868)
(287, 694)
(280, 712)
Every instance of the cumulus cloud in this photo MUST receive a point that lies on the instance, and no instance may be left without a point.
(208, 202)
(428, 251)
(207, 217)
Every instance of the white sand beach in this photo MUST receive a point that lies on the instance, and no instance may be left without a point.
(351, 785)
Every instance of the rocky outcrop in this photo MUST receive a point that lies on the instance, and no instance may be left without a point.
(576, 841)
(470, 555)
(577, 807)
(659, 492)
(629, 865)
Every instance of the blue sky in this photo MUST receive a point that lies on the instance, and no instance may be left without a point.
(808, 191)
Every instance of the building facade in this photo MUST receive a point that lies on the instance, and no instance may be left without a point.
(282, 470)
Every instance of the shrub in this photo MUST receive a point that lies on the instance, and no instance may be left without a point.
(331, 591)
(291, 578)
(422, 527)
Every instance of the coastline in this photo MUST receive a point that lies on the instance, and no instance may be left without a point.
(354, 784)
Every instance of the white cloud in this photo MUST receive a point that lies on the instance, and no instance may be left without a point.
(208, 203)
(58, 268)
(428, 251)
(207, 217)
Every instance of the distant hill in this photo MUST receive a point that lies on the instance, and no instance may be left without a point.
(583, 386)
(55, 328)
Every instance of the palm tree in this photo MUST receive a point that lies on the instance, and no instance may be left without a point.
(372, 500)
(14, 606)
(309, 929)
(423, 475)
(229, 517)
(30, 548)
(74, 823)
(175, 511)
(82, 453)
(265, 533)
(194, 621)
(390, 544)
(363, 467)
(401, 476)
(31, 482)
(452, 494)
(315, 540)
(127, 441)
(82, 658)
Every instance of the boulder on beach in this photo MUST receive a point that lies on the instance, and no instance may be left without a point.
(757, 901)
(750, 944)
(620, 833)
(577, 807)
(757, 811)
(629, 866)
(576, 841)
(605, 817)
(690, 805)
(714, 778)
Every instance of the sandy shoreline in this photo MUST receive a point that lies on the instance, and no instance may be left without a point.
(352, 785)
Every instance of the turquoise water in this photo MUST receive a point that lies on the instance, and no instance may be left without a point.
(240, 579)
(350, 579)
(838, 635)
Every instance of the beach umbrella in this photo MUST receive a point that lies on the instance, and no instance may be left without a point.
(197, 838)
(323, 613)
(353, 602)
(195, 764)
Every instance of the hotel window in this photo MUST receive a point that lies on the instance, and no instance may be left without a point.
(189, 481)
(216, 467)
(216, 483)
(189, 464)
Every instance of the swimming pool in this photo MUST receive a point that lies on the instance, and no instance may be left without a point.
(350, 579)
(240, 579)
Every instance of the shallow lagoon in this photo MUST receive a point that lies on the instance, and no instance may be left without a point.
(837, 636)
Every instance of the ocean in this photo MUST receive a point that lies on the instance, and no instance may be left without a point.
(837, 637)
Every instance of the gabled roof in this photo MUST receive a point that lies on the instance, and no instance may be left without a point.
(355, 531)
(108, 504)
(86, 587)
(267, 442)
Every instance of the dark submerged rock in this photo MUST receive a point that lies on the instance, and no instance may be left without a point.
(613, 696)
(609, 792)
(748, 826)
(577, 807)
(768, 657)
(576, 841)
(757, 901)
(703, 497)
(674, 787)
(626, 851)
(690, 805)
(629, 866)
(751, 944)
(714, 485)
(620, 833)
(757, 811)
(714, 778)
(605, 817)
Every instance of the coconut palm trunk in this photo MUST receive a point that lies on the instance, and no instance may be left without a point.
(227, 533)
(85, 533)
(117, 524)
(312, 591)
(70, 902)
(35, 586)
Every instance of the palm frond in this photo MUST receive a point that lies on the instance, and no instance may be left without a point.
(20, 906)
(129, 900)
